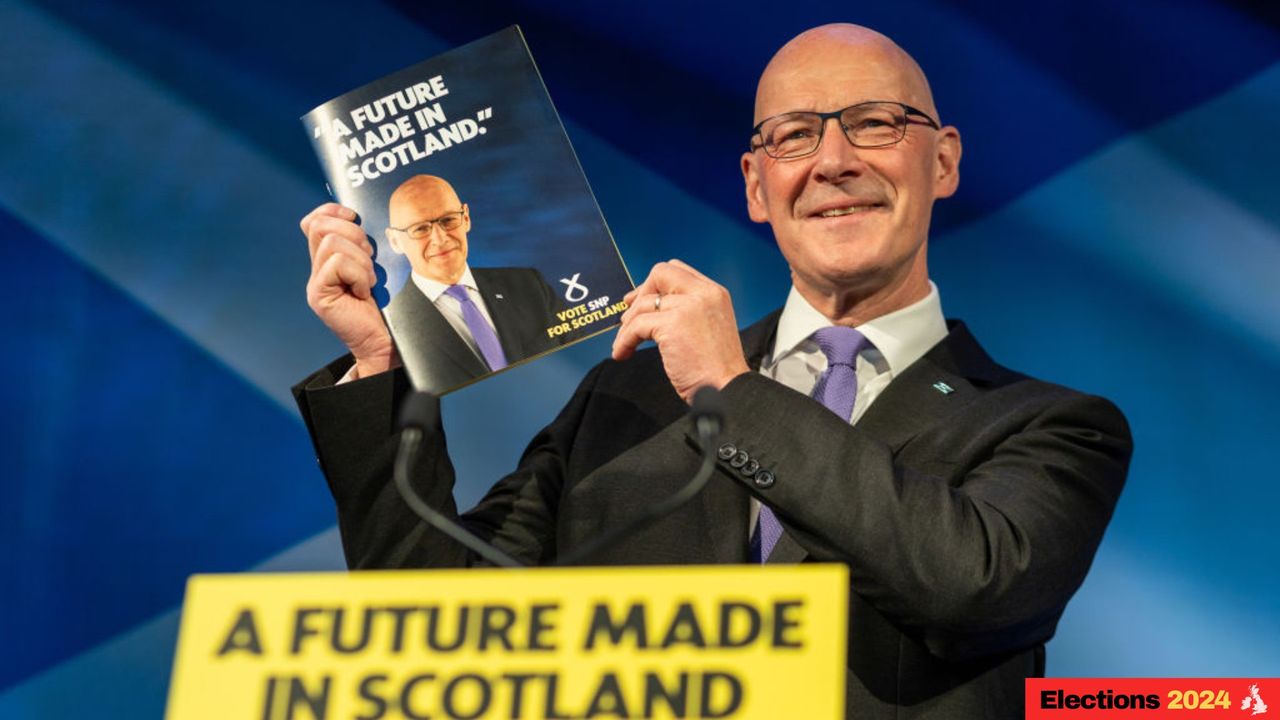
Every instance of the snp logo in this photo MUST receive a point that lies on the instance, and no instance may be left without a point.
(574, 291)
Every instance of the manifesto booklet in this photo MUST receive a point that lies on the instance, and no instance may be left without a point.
(489, 246)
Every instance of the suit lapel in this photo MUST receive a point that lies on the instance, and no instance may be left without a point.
(419, 324)
(948, 376)
(914, 401)
(507, 320)
(787, 551)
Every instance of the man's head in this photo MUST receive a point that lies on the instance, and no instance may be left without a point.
(852, 222)
(420, 211)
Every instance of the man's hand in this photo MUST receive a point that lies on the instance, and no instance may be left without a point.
(340, 290)
(692, 323)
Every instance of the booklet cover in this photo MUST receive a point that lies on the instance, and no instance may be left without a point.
(489, 246)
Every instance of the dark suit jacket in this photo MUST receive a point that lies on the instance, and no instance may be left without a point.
(967, 518)
(438, 360)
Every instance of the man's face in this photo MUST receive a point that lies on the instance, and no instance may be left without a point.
(850, 220)
(440, 255)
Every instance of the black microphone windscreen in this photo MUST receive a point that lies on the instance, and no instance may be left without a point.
(420, 410)
(708, 404)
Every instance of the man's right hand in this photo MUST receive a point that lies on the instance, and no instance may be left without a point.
(340, 290)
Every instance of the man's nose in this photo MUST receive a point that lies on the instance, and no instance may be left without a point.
(836, 156)
(436, 234)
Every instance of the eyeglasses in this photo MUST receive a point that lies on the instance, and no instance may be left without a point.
(879, 123)
(447, 222)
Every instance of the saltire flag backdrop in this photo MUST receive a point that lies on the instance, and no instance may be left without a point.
(1117, 229)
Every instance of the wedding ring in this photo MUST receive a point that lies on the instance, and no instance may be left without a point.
(657, 302)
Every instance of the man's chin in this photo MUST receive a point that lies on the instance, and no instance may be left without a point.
(858, 276)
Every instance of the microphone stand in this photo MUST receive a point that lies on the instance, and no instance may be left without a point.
(420, 411)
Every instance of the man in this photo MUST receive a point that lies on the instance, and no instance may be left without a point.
(453, 323)
(966, 499)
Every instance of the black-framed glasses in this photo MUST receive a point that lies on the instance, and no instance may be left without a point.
(874, 124)
(448, 221)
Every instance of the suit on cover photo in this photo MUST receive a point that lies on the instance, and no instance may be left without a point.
(438, 360)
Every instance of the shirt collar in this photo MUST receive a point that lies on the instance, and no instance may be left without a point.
(433, 289)
(902, 337)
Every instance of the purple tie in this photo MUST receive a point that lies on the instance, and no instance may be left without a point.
(838, 385)
(481, 332)
(836, 389)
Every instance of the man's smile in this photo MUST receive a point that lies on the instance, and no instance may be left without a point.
(843, 208)
(838, 212)
(836, 201)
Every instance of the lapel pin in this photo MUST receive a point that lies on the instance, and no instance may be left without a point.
(499, 296)
(943, 388)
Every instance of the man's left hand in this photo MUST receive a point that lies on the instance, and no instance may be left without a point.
(691, 319)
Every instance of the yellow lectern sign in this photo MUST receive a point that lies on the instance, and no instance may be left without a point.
(689, 642)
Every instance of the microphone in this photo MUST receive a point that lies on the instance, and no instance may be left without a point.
(419, 415)
(707, 411)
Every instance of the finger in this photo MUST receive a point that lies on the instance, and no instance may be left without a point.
(650, 303)
(644, 286)
(328, 218)
(659, 281)
(324, 226)
(342, 273)
(694, 282)
(634, 306)
(336, 280)
(666, 279)
(670, 305)
(333, 244)
(689, 269)
(647, 285)
(633, 300)
(674, 277)
(639, 329)
(329, 209)
(336, 243)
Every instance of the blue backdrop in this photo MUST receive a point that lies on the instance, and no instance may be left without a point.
(1117, 229)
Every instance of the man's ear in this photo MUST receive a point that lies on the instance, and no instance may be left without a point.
(946, 177)
(757, 210)
(391, 240)
(466, 218)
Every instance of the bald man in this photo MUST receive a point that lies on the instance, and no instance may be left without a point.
(966, 499)
(452, 323)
